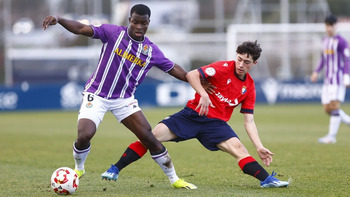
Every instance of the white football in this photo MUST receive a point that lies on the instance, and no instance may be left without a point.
(64, 181)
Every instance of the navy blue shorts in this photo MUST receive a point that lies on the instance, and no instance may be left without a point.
(187, 124)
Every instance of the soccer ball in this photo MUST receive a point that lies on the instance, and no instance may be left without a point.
(64, 181)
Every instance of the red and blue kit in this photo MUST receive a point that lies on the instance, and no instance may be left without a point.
(213, 129)
(231, 91)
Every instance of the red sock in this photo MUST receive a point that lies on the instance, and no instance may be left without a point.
(250, 166)
(134, 152)
(138, 148)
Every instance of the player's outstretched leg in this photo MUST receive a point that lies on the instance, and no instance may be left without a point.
(134, 152)
(272, 181)
(164, 161)
(250, 166)
(111, 174)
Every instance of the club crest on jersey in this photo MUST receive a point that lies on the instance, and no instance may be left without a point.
(225, 65)
(145, 49)
(244, 90)
(89, 105)
(210, 71)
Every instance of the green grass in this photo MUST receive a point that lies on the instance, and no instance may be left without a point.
(34, 144)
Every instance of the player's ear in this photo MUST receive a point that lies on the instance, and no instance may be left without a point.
(255, 62)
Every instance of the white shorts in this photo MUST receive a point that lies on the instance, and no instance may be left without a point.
(332, 93)
(94, 107)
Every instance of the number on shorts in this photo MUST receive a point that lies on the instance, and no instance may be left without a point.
(90, 97)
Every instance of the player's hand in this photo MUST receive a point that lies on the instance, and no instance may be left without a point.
(346, 80)
(204, 104)
(49, 20)
(265, 155)
(313, 77)
(208, 86)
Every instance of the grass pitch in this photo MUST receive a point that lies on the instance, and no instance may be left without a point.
(34, 144)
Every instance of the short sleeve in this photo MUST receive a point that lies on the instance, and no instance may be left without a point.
(162, 62)
(248, 103)
(106, 31)
(208, 70)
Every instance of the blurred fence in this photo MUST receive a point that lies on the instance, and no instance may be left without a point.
(151, 93)
(289, 51)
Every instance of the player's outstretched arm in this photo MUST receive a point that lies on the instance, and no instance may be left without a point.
(264, 153)
(49, 20)
(178, 72)
(71, 25)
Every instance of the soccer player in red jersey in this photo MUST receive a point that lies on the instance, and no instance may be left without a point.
(205, 118)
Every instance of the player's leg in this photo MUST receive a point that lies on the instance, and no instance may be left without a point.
(88, 120)
(136, 150)
(163, 134)
(127, 112)
(335, 118)
(132, 117)
(133, 153)
(345, 118)
(248, 164)
(138, 124)
(332, 108)
(81, 147)
(332, 96)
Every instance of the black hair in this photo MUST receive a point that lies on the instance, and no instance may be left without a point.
(330, 20)
(250, 48)
(140, 9)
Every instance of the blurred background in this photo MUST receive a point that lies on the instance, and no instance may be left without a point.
(48, 69)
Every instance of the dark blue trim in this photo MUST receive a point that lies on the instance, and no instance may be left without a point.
(202, 73)
(247, 111)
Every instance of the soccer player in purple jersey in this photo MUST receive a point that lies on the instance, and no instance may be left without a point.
(126, 57)
(336, 60)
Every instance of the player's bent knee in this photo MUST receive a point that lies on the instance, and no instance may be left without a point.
(163, 133)
(151, 143)
(234, 147)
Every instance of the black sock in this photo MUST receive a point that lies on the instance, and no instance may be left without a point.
(250, 166)
(134, 152)
(256, 170)
(127, 158)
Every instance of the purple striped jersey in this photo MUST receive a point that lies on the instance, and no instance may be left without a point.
(123, 62)
(336, 58)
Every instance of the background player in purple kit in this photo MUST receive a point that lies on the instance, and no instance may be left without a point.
(205, 117)
(126, 56)
(336, 60)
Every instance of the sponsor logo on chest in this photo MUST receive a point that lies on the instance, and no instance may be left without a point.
(227, 100)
